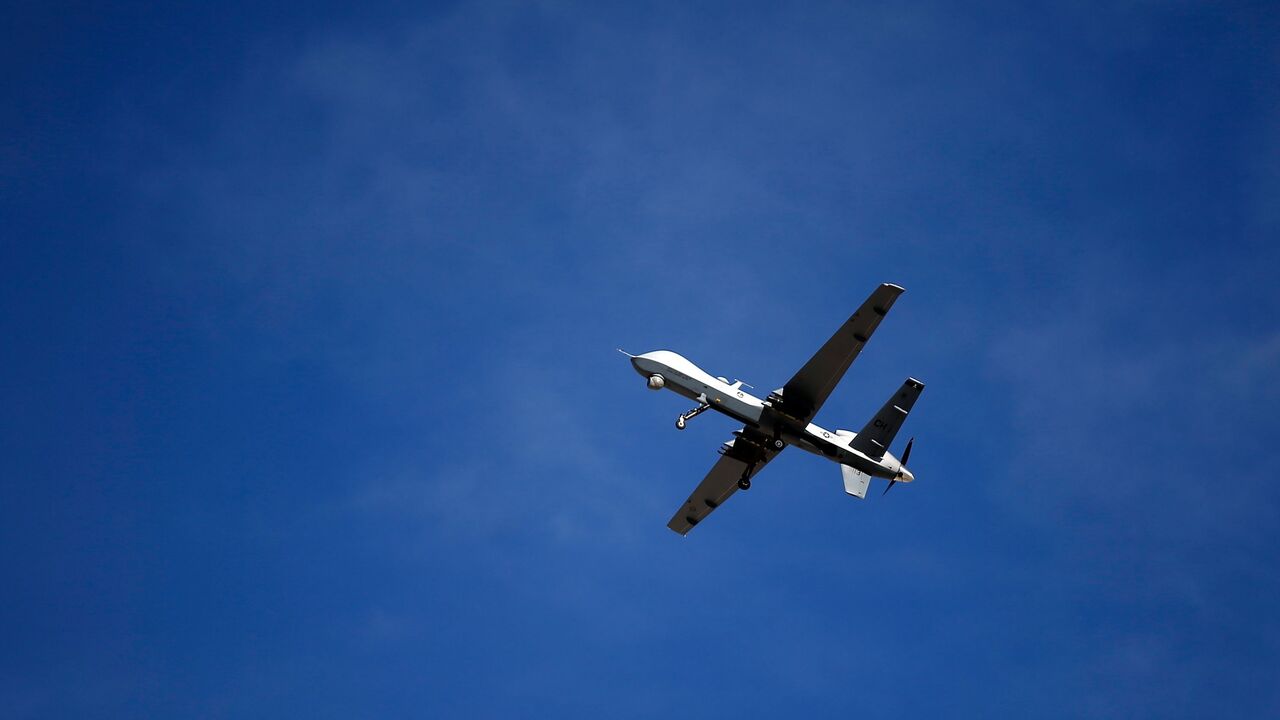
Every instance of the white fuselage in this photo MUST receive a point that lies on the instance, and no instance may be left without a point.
(678, 374)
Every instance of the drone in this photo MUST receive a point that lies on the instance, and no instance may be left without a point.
(785, 417)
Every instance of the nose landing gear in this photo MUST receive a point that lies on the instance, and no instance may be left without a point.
(680, 421)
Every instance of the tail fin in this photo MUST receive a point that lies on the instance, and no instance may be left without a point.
(875, 438)
(855, 481)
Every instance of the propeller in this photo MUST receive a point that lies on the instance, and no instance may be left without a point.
(906, 453)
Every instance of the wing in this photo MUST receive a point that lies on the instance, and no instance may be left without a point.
(809, 389)
(743, 456)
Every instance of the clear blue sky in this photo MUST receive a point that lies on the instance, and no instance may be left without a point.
(309, 405)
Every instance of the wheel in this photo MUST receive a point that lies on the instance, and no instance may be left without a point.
(778, 443)
(680, 423)
(744, 484)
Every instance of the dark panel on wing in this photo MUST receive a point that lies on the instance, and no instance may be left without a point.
(805, 393)
(743, 456)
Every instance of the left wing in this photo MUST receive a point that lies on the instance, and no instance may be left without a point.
(743, 456)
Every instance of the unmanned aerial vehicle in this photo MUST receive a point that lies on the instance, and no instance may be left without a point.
(785, 417)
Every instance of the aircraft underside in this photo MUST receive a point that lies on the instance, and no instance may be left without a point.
(785, 417)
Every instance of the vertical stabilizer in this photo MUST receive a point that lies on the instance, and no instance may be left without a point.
(855, 481)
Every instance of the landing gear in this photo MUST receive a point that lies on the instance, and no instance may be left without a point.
(744, 484)
(778, 443)
(680, 421)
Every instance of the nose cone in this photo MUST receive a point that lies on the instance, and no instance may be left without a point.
(650, 363)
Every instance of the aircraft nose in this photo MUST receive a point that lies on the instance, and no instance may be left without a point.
(642, 366)
(905, 475)
(650, 363)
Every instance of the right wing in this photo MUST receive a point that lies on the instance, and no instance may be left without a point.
(743, 456)
(809, 389)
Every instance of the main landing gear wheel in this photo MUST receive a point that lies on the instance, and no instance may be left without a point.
(778, 443)
(680, 423)
(744, 484)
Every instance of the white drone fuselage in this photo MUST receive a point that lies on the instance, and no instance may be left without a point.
(668, 370)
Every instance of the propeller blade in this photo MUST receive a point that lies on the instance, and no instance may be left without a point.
(906, 453)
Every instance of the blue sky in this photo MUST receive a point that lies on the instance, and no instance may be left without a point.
(309, 405)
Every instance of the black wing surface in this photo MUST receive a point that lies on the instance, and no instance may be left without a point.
(744, 456)
(805, 393)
